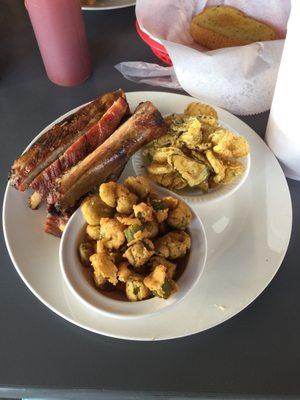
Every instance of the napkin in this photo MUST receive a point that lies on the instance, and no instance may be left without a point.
(282, 133)
(240, 79)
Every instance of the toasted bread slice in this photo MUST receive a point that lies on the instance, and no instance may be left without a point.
(224, 26)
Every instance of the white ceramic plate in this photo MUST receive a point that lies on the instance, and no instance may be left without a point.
(108, 5)
(247, 233)
(73, 271)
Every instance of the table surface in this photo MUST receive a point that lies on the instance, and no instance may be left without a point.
(256, 353)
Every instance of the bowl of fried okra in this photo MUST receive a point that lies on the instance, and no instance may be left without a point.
(133, 249)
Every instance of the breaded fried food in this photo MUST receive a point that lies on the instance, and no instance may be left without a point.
(233, 169)
(217, 165)
(93, 231)
(172, 181)
(196, 109)
(227, 145)
(193, 137)
(193, 172)
(136, 289)
(143, 211)
(139, 253)
(159, 283)
(170, 267)
(104, 269)
(173, 245)
(138, 185)
(162, 154)
(180, 217)
(117, 196)
(86, 250)
(93, 208)
(195, 152)
(124, 272)
(159, 168)
(126, 249)
(111, 233)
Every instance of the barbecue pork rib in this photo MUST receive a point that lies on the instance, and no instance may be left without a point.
(57, 139)
(55, 224)
(56, 221)
(145, 125)
(83, 146)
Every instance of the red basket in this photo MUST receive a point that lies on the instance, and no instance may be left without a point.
(157, 48)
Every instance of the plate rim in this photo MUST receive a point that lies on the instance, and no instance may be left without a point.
(171, 337)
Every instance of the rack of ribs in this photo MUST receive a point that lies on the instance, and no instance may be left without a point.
(87, 148)
(57, 139)
(83, 146)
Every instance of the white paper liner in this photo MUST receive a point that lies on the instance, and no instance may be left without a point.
(240, 79)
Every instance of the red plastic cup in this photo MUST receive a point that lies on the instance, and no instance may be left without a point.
(59, 29)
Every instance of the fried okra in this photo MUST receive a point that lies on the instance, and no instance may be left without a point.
(111, 233)
(159, 283)
(104, 269)
(117, 196)
(173, 245)
(86, 249)
(139, 253)
(93, 208)
(132, 234)
(93, 232)
(135, 233)
(125, 220)
(180, 217)
(160, 209)
(170, 202)
(136, 289)
(170, 267)
(150, 230)
(124, 272)
(143, 212)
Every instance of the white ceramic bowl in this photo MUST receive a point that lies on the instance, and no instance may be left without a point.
(140, 163)
(73, 271)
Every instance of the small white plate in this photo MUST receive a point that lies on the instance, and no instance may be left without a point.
(247, 236)
(73, 271)
(108, 5)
